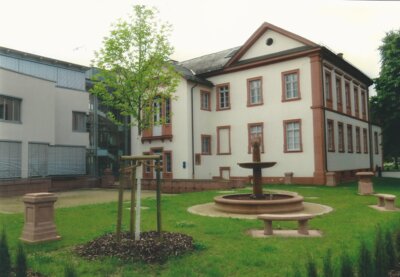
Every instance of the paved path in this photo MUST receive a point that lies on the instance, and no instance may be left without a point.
(72, 198)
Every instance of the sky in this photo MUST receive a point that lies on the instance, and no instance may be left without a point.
(71, 30)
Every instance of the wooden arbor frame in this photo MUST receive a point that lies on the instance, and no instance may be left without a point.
(134, 163)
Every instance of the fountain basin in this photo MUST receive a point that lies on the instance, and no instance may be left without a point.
(257, 164)
(281, 202)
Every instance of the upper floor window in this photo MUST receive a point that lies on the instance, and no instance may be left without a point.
(348, 98)
(205, 145)
(79, 121)
(331, 136)
(254, 91)
(363, 105)
(339, 101)
(255, 131)
(167, 103)
(223, 101)
(290, 84)
(328, 89)
(356, 102)
(10, 108)
(205, 100)
(292, 131)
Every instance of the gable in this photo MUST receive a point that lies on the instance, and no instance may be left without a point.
(280, 43)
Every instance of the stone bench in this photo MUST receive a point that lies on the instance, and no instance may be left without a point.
(386, 201)
(301, 218)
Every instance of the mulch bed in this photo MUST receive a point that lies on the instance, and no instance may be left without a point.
(150, 248)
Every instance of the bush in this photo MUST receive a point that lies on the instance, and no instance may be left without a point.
(390, 252)
(21, 266)
(327, 264)
(5, 262)
(311, 268)
(69, 271)
(296, 271)
(346, 266)
(381, 267)
(365, 265)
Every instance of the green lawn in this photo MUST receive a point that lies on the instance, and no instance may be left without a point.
(225, 249)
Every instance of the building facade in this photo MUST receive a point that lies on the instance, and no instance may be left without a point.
(43, 111)
(308, 105)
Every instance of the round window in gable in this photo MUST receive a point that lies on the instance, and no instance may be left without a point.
(269, 41)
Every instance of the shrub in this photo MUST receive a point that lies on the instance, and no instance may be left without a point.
(365, 265)
(346, 266)
(20, 263)
(69, 271)
(311, 268)
(296, 271)
(5, 262)
(381, 267)
(327, 264)
(390, 252)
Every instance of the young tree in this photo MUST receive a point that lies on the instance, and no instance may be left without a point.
(135, 71)
(385, 106)
(135, 75)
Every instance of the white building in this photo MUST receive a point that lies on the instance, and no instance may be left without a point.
(43, 109)
(309, 105)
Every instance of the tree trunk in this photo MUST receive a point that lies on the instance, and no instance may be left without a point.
(133, 191)
(120, 203)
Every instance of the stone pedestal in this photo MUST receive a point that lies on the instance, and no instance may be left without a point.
(39, 218)
(331, 179)
(365, 186)
(288, 178)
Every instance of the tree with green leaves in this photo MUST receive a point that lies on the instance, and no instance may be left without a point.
(135, 72)
(135, 76)
(385, 106)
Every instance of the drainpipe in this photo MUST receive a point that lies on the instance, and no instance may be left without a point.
(192, 113)
(371, 154)
(324, 112)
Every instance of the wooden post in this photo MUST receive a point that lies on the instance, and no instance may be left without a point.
(120, 203)
(133, 190)
(158, 196)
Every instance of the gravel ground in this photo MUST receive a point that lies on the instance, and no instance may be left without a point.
(72, 198)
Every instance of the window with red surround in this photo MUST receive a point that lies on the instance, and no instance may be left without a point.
(339, 101)
(205, 100)
(376, 143)
(348, 98)
(167, 162)
(197, 158)
(224, 140)
(255, 130)
(363, 105)
(254, 91)
(292, 136)
(147, 168)
(205, 144)
(331, 135)
(341, 137)
(365, 140)
(161, 128)
(223, 97)
(349, 138)
(291, 85)
(358, 140)
(356, 102)
(328, 89)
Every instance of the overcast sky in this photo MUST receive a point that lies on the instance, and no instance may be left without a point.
(71, 30)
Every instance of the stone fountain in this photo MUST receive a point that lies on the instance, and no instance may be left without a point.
(259, 202)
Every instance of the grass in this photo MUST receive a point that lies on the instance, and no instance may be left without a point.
(223, 247)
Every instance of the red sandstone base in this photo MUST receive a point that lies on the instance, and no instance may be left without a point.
(39, 218)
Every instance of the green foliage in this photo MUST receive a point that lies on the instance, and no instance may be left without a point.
(327, 264)
(5, 261)
(311, 268)
(365, 265)
(69, 271)
(385, 106)
(296, 271)
(20, 262)
(135, 74)
(381, 260)
(390, 251)
(346, 266)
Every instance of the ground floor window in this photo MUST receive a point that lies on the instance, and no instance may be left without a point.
(10, 159)
(205, 144)
(365, 140)
(224, 140)
(331, 136)
(349, 138)
(341, 137)
(358, 140)
(255, 131)
(376, 144)
(292, 132)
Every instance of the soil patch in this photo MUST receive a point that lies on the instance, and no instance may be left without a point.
(150, 248)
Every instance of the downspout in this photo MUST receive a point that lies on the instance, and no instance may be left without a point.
(192, 114)
(324, 123)
(371, 155)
